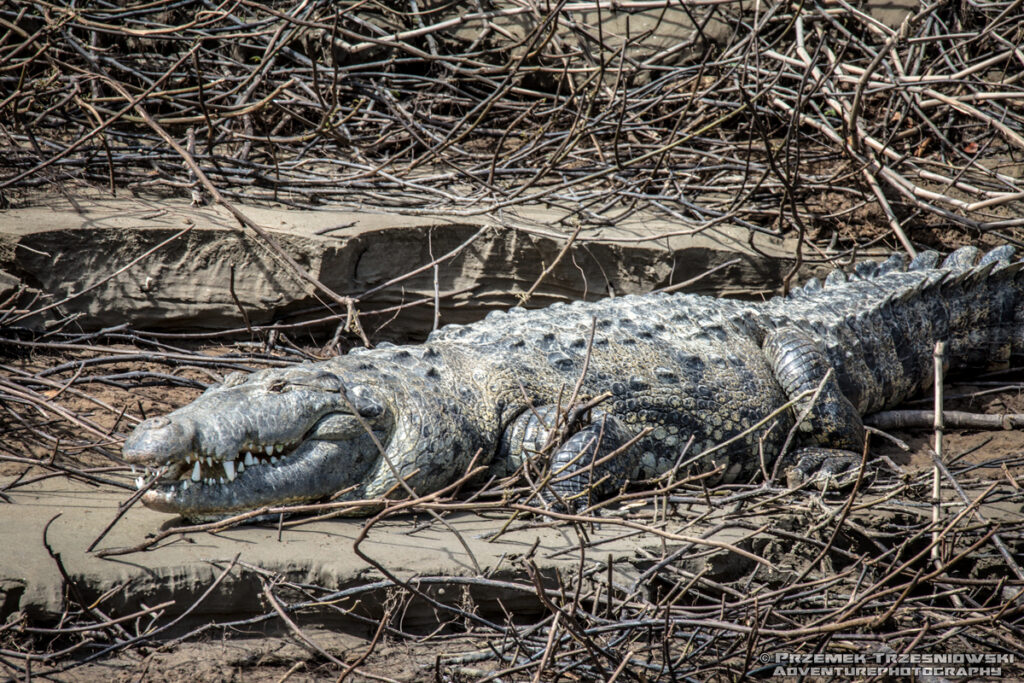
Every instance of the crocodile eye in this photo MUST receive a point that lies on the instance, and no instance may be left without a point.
(277, 387)
(326, 381)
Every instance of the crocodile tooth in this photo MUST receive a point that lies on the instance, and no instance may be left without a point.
(209, 461)
(229, 469)
(248, 459)
(184, 485)
(188, 458)
(139, 482)
(220, 480)
(195, 472)
(279, 448)
(269, 449)
(273, 460)
(241, 467)
(133, 469)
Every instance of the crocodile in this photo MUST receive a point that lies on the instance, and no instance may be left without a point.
(676, 383)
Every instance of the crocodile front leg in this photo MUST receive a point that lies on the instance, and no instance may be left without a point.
(832, 432)
(580, 469)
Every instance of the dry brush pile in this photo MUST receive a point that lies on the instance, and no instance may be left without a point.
(774, 116)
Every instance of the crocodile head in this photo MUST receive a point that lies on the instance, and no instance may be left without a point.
(273, 437)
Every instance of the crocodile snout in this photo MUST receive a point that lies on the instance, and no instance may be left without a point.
(157, 440)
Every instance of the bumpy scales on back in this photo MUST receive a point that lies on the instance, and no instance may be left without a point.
(679, 369)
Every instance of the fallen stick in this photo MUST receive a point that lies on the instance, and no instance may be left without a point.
(925, 419)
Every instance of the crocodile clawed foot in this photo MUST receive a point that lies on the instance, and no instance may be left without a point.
(823, 468)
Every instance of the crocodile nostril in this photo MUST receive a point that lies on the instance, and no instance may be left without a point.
(157, 422)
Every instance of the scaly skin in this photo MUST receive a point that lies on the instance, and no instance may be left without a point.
(679, 369)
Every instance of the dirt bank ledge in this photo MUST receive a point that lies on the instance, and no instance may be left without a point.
(185, 285)
(316, 553)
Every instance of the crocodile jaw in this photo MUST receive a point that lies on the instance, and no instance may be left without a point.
(274, 438)
(203, 487)
(312, 470)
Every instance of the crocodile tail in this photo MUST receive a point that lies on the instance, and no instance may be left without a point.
(974, 301)
(890, 314)
(960, 260)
